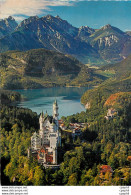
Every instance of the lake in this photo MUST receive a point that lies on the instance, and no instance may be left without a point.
(39, 100)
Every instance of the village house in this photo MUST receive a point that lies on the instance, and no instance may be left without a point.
(62, 125)
(111, 113)
(74, 128)
(105, 168)
(105, 174)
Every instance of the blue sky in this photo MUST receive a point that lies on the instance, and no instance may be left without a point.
(97, 13)
(94, 14)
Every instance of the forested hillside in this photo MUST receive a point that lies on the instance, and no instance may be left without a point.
(7, 97)
(43, 68)
(121, 69)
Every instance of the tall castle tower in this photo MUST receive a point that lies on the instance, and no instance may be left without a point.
(41, 120)
(55, 109)
(55, 112)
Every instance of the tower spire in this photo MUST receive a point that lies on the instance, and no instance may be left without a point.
(55, 102)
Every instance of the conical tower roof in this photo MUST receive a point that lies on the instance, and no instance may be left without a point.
(55, 103)
(42, 114)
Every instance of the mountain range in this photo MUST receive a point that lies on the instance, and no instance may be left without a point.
(91, 46)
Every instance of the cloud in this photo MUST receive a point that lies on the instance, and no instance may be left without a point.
(21, 8)
(28, 7)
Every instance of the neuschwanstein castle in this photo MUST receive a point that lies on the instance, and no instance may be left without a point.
(45, 143)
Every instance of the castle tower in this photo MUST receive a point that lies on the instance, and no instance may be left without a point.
(41, 120)
(55, 112)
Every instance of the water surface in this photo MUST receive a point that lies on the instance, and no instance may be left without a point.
(39, 100)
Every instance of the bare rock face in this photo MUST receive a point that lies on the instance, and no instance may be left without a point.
(108, 41)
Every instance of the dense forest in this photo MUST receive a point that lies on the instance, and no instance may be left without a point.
(7, 97)
(102, 142)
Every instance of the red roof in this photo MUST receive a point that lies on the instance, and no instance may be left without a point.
(71, 124)
(60, 121)
(105, 168)
(77, 128)
(129, 158)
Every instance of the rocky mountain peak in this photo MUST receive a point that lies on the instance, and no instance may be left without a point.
(54, 19)
(31, 19)
(10, 18)
(59, 25)
(85, 32)
(7, 25)
(34, 18)
(113, 30)
(48, 17)
(108, 26)
(58, 17)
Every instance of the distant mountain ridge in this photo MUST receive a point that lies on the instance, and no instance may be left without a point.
(106, 45)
